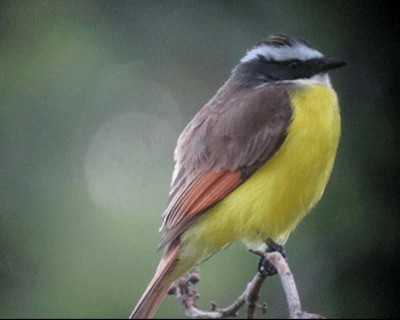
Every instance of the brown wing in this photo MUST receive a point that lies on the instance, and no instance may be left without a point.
(226, 142)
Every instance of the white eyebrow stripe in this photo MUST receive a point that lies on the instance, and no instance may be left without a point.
(282, 53)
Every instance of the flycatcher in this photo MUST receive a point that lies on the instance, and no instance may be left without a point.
(252, 162)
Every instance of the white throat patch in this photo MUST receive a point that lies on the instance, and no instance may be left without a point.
(281, 53)
(319, 79)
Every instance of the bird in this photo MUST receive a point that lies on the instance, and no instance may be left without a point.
(252, 162)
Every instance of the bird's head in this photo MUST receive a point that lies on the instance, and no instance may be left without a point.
(284, 59)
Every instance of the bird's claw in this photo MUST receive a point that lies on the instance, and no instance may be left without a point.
(265, 268)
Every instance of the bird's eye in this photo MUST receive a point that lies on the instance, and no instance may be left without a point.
(293, 65)
(262, 58)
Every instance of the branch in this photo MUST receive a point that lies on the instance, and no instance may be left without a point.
(252, 294)
(288, 284)
(187, 296)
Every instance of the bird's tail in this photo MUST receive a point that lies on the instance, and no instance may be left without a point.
(167, 272)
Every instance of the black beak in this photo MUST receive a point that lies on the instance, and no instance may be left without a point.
(328, 63)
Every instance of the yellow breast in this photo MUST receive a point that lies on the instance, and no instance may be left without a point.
(274, 199)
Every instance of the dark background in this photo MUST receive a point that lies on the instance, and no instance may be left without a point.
(93, 95)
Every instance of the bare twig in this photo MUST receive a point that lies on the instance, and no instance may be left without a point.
(187, 295)
(289, 285)
(252, 294)
(187, 298)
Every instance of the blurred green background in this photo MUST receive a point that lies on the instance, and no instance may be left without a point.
(93, 95)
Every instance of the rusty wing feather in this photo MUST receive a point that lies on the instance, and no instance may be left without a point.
(226, 142)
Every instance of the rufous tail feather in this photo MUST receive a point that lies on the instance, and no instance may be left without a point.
(158, 287)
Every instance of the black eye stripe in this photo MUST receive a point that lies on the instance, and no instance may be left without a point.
(292, 64)
(264, 70)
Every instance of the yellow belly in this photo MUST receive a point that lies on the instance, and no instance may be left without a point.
(277, 196)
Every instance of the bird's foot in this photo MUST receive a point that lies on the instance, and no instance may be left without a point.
(265, 268)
